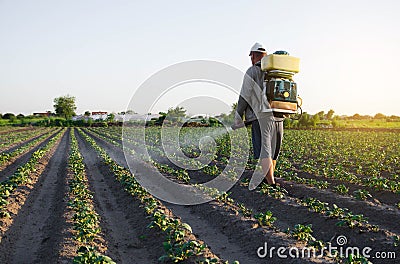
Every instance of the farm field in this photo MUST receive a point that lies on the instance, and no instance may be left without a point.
(67, 194)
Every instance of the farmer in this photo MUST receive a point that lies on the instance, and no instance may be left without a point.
(266, 130)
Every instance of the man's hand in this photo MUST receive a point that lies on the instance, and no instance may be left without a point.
(237, 124)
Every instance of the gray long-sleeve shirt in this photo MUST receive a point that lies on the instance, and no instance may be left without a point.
(253, 101)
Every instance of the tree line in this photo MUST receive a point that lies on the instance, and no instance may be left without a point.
(65, 107)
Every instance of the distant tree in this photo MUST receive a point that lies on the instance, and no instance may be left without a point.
(176, 114)
(87, 113)
(356, 116)
(304, 120)
(335, 123)
(130, 112)
(90, 122)
(65, 106)
(8, 116)
(321, 114)
(111, 117)
(20, 116)
(214, 122)
(177, 111)
(379, 116)
(329, 115)
(287, 123)
(314, 121)
(1, 116)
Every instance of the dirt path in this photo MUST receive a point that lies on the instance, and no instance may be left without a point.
(123, 222)
(35, 233)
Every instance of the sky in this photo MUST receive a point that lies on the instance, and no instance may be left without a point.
(101, 51)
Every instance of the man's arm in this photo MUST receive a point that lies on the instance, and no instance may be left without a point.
(244, 93)
(241, 107)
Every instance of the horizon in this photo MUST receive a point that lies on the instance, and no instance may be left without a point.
(196, 114)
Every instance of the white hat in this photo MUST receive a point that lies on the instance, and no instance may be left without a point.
(258, 47)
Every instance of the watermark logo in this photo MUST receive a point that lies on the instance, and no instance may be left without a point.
(342, 251)
(341, 240)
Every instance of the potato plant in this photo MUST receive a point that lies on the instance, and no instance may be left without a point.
(6, 156)
(86, 221)
(22, 174)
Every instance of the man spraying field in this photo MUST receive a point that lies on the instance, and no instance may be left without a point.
(267, 130)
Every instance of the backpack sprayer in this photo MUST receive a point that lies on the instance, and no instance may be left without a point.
(279, 86)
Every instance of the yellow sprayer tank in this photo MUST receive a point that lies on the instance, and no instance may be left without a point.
(280, 62)
(279, 86)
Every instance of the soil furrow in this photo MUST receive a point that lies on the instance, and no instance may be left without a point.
(36, 230)
(54, 225)
(123, 222)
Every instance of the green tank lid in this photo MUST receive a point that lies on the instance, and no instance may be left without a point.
(281, 52)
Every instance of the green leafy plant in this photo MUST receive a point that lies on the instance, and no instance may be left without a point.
(244, 210)
(362, 194)
(89, 255)
(341, 188)
(352, 220)
(335, 212)
(352, 259)
(265, 219)
(212, 170)
(302, 232)
(316, 205)
(275, 192)
(396, 240)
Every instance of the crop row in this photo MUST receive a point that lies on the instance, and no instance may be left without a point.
(22, 174)
(85, 219)
(278, 193)
(285, 168)
(15, 138)
(360, 154)
(180, 244)
(265, 219)
(4, 157)
(344, 216)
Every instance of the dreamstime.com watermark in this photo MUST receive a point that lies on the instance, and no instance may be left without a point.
(340, 251)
